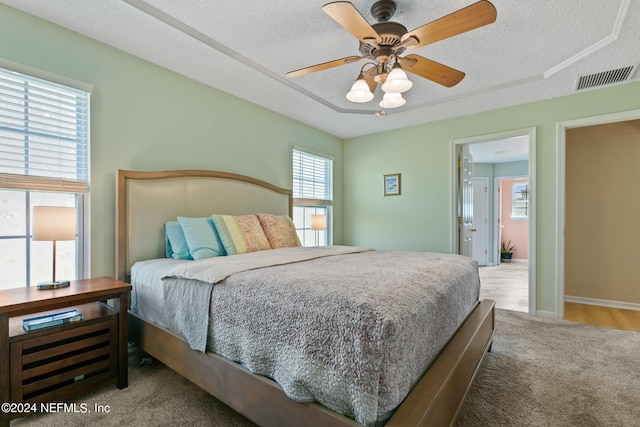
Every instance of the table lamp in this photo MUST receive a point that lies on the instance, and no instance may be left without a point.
(318, 222)
(54, 223)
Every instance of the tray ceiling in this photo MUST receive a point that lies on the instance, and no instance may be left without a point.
(535, 50)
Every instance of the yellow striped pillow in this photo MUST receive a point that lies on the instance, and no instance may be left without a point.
(240, 234)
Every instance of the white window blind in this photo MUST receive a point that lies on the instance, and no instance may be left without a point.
(312, 176)
(312, 195)
(44, 134)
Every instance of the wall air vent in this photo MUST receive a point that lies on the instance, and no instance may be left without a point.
(605, 78)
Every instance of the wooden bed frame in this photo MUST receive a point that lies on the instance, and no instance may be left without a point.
(145, 200)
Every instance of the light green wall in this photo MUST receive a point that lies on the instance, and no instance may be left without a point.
(421, 218)
(511, 169)
(483, 170)
(144, 117)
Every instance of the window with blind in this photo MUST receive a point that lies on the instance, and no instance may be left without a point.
(520, 200)
(312, 197)
(44, 160)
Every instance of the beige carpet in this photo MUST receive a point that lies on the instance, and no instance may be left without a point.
(541, 372)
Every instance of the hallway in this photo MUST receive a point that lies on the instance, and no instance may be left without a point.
(507, 284)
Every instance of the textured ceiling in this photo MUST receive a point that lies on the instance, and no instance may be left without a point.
(501, 151)
(535, 50)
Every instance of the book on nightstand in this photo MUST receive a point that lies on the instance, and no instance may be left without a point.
(49, 320)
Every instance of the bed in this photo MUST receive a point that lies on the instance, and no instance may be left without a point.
(143, 209)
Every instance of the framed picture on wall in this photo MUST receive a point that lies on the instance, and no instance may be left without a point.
(392, 184)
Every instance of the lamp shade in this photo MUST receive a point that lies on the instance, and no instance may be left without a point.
(397, 81)
(360, 91)
(318, 222)
(392, 100)
(54, 223)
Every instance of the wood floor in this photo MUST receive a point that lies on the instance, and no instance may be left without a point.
(616, 318)
(507, 284)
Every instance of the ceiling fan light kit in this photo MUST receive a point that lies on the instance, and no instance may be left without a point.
(384, 42)
(393, 83)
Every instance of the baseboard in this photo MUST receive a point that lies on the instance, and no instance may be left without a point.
(549, 314)
(603, 302)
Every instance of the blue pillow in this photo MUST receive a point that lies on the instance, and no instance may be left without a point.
(202, 238)
(176, 243)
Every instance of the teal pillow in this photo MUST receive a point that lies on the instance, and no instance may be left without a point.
(176, 243)
(202, 238)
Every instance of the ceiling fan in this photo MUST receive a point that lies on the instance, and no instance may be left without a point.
(384, 42)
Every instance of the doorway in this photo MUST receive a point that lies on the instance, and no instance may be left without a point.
(609, 288)
(495, 159)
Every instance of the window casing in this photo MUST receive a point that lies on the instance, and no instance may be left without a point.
(44, 160)
(312, 195)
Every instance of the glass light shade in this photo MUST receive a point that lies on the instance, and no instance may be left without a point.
(360, 91)
(397, 81)
(381, 78)
(392, 100)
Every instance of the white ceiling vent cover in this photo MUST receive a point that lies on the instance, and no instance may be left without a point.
(605, 78)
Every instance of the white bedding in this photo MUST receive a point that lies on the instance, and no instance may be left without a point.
(147, 295)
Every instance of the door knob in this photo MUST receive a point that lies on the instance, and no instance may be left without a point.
(473, 230)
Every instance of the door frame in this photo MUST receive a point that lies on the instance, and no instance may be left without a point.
(561, 165)
(454, 235)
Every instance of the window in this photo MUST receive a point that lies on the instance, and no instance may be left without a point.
(44, 160)
(312, 195)
(520, 200)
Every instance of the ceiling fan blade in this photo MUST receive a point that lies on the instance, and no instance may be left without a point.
(323, 66)
(406, 42)
(471, 17)
(345, 14)
(431, 70)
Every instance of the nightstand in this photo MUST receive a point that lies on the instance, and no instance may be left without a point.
(60, 362)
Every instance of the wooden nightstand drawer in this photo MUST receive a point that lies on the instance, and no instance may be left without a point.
(62, 361)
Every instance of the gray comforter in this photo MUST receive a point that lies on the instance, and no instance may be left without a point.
(353, 331)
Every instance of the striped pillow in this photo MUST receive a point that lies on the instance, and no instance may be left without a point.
(240, 234)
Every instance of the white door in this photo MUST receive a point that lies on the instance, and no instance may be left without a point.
(481, 220)
(465, 216)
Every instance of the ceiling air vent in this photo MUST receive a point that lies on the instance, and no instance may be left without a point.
(605, 78)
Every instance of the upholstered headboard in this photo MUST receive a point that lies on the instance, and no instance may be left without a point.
(146, 200)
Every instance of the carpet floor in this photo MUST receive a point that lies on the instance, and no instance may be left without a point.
(541, 372)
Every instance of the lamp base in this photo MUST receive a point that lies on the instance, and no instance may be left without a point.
(53, 285)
